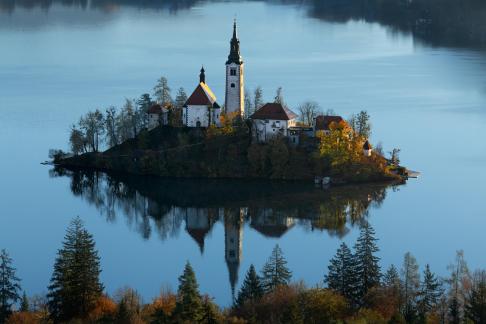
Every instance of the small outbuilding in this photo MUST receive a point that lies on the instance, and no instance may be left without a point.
(272, 120)
(367, 149)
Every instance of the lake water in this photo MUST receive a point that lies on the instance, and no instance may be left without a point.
(58, 62)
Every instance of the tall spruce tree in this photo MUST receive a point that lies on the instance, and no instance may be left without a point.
(189, 301)
(341, 276)
(75, 286)
(24, 303)
(275, 272)
(9, 286)
(430, 293)
(367, 263)
(251, 289)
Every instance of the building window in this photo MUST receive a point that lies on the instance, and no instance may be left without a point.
(267, 121)
(233, 72)
(233, 85)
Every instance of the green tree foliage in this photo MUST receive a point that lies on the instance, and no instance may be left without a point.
(341, 275)
(181, 98)
(210, 313)
(275, 272)
(360, 124)
(75, 286)
(77, 141)
(367, 263)
(476, 299)
(189, 301)
(24, 303)
(251, 289)
(430, 293)
(9, 286)
(279, 158)
(411, 284)
(143, 105)
(162, 92)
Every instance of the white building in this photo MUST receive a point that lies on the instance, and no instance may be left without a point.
(367, 149)
(157, 115)
(272, 120)
(201, 109)
(235, 83)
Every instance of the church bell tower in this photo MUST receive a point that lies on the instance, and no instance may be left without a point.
(235, 84)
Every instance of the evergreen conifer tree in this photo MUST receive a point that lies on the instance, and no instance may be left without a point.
(341, 275)
(75, 286)
(189, 301)
(24, 303)
(251, 289)
(367, 263)
(275, 272)
(391, 277)
(9, 286)
(181, 98)
(430, 293)
(210, 312)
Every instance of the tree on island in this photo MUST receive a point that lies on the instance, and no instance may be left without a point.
(9, 286)
(275, 272)
(251, 289)
(367, 263)
(258, 98)
(342, 273)
(308, 111)
(476, 300)
(75, 286)
(189, 301)
(360, 124)
(162, 92)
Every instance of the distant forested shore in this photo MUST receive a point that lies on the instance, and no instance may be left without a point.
(440, 23)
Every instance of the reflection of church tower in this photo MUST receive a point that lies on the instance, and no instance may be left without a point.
(233, 237)
(235, 82)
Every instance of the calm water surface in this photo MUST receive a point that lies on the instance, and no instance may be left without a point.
(57, 63)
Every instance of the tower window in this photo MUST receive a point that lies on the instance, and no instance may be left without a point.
(233, 72)
(233, 85)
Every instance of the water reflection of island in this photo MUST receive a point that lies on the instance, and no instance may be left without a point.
(163, 206)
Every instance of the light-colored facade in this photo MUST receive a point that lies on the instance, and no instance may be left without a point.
(235, 79)
(157, 116)
(272, 120)
(201, 108)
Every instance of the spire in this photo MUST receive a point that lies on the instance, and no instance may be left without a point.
(234, 56)
(202, 76)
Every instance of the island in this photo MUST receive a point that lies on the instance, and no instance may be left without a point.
(196, 137)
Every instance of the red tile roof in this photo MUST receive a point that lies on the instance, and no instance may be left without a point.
(274, 111)
(155, 109)
(323, 122)
(202, 96)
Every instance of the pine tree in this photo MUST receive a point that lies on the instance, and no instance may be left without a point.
(210, 312)
(251, 289)
(367, 263)
(9, 286)
(411, 283)
(275, 272)
(392, 278)
(430, 293)
(75, 286)
(341, 275)
(189, 302)
(24, 303)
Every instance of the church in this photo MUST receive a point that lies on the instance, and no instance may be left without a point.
(201, 108)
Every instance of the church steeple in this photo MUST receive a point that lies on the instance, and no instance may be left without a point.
(234, 56)
(202, 76)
